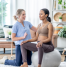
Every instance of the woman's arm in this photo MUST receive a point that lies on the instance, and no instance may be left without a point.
(14, 38)
(50, 33)
(36, 37)
(34, 28)
(33, 39)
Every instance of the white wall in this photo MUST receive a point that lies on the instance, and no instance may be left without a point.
(29, 11)
(13, 10)
(20, 4)
(16, 4)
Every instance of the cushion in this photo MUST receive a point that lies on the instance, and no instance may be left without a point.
(6, 29)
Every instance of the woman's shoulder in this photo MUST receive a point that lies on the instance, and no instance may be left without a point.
(27, 21)
(39, 24)
(15, 24)
(49, 23)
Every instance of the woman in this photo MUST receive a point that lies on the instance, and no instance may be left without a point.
(43, 38)
(20, 32)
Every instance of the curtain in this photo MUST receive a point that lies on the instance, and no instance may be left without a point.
(32, 8)
(7, 11)
(3, 9)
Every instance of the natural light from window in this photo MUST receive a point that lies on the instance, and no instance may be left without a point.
(8, 13)
(4, 12)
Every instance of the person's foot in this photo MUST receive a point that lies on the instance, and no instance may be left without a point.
(24, 65)
(39, 65)
(2, 61)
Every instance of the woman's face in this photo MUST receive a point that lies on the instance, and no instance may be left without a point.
(22, 16)
(42, 15)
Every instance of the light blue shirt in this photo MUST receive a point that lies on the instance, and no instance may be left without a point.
(19, 30)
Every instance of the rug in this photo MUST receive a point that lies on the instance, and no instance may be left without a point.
(62, 64)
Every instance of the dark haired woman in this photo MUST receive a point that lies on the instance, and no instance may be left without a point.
(43, 38)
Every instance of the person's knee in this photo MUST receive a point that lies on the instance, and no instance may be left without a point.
(23, 45)
(40, 47)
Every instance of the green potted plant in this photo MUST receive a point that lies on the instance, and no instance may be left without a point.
(60, 4)
(9, 33)
(60, 19)
(62, 32)
(64, 5)
(59, 1)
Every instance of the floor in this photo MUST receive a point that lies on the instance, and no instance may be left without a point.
(62, 64)
(63, 57)
(7, 53)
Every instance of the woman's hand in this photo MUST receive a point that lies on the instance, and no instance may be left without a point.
(24, 42)
(25, 34)
(39, 44)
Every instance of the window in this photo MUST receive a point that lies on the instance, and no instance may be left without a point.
(4, 12)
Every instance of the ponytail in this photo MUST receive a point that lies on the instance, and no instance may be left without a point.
(15, 17)
(49, 19)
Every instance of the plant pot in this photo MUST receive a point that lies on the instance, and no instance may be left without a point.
(9, 36)
(59, 7)
(60, 20)
(64, 35)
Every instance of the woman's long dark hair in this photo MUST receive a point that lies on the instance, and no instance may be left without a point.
(46, 11)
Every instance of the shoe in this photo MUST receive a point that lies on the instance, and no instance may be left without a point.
(12, 58)
(2, 61)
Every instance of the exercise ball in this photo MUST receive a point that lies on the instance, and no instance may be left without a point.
(51, 59)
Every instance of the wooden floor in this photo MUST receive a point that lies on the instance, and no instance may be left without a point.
(8, 55)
